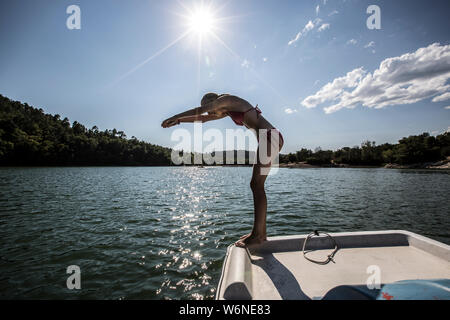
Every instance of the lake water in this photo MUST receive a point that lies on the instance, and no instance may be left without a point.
(162, 232)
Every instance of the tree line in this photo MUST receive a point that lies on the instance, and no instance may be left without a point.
(409, 150)
(28, 136)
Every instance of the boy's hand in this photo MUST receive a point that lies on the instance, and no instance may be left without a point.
(170, 122)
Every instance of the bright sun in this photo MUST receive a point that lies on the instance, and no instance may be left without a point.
(201, 21)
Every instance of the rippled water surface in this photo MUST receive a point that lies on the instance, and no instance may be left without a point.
(162, 233)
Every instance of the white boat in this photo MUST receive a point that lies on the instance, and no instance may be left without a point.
(365, 265)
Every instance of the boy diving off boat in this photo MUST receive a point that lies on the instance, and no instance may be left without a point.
(270, 140)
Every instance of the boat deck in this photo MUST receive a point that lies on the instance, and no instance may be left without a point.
(277, 269)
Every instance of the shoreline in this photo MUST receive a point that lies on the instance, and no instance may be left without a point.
(439, 165)
(304, 165)
(281, 165)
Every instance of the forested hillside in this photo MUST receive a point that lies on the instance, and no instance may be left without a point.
(28, 136)
(422, 148)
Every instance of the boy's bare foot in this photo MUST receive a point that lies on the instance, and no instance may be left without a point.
(250, 240)
(245, 236)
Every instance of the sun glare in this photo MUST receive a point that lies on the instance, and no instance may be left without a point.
(201, 21)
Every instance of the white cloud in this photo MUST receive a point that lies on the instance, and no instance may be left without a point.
(333, 90)
(332, 13)
(352, 41)
(370, 44)
(245, 64)
(324, 27)
(448, 108)
(290, 111)
(308, 27)
(442, 97)
(264, 59)
(317, 9)
(405, 79)
(295, 39)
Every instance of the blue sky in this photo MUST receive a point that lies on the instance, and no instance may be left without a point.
(79, 74)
